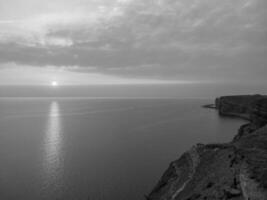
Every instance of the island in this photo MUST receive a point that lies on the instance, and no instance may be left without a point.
(236, 170)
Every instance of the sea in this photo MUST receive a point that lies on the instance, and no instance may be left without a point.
(98, 148)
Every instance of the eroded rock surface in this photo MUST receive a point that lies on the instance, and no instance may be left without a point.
(236, 170)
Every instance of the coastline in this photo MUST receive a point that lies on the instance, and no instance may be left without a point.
(235, 170)
(211, 106)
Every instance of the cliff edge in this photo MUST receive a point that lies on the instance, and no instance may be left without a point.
(236, 170)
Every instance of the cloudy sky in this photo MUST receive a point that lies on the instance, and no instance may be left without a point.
(133, 41)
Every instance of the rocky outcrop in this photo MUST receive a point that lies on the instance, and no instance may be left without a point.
(236, 170)
(237, 106)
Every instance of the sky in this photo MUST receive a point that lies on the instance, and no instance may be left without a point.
(80, 42)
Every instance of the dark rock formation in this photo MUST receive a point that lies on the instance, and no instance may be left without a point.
(236, 170)
(237, 106)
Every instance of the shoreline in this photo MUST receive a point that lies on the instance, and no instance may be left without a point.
(236, 170)
(210, 106)
(229, 114)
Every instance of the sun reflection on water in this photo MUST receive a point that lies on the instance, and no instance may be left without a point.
(53, 162)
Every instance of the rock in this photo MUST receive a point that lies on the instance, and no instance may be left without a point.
(236, 170)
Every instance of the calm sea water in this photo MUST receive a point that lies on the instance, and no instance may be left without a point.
(98, 149)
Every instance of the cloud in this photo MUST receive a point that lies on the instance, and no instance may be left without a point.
(13, 74)
(192, 39)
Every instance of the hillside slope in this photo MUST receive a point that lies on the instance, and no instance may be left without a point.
(236, 170)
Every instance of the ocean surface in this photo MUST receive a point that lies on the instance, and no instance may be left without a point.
(98, 149)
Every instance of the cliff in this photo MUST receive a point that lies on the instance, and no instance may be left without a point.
(236, 170)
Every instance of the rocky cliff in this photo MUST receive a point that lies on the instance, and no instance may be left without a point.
(236, 170)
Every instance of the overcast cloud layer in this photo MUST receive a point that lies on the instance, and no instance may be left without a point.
(194, 40)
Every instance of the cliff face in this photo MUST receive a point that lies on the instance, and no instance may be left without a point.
(237, 106)
(236, 170)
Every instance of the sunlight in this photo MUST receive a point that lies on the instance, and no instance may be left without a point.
(54, 83)
(52, 143)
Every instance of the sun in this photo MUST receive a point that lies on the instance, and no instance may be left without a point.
(54, 83)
